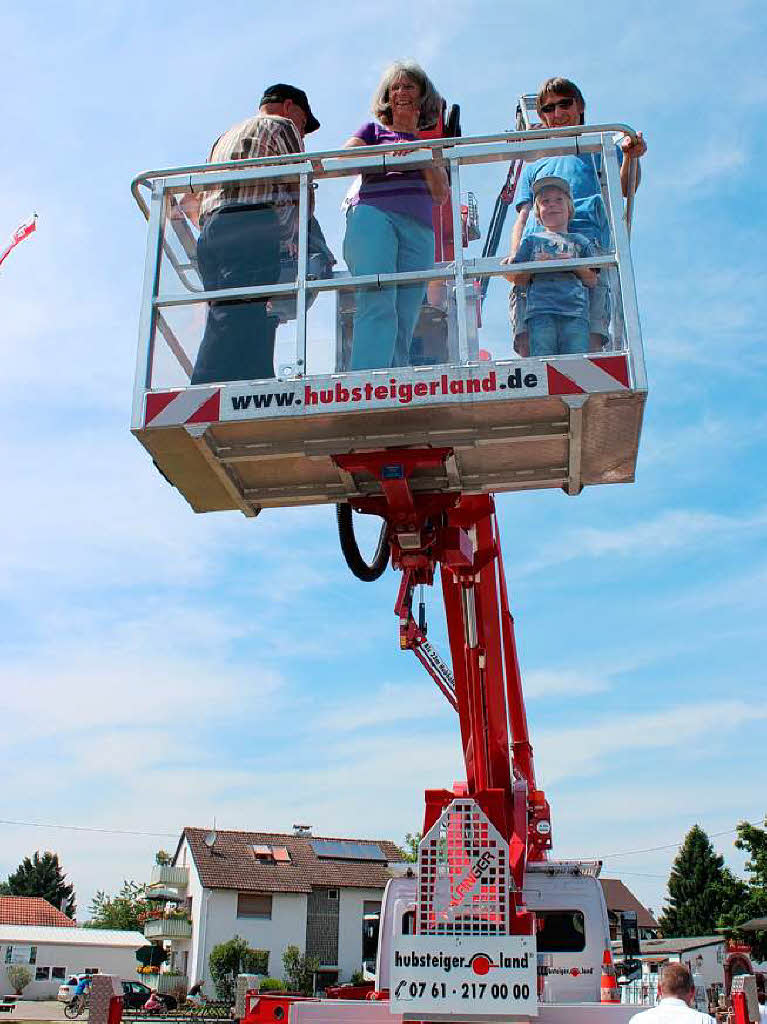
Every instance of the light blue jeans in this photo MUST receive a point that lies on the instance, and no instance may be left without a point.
(380, 242)
(554, 335)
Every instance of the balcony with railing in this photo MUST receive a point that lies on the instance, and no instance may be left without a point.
(175, 927)
(505, 420)
(169, 876)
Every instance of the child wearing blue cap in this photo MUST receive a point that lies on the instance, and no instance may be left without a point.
(557, 313)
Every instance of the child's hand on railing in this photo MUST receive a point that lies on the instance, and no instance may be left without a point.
(520, 278)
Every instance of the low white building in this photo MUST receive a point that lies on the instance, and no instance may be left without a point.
(703, 954)
(51, 955)
(273, 890)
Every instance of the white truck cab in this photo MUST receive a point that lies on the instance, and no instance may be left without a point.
(572, 927)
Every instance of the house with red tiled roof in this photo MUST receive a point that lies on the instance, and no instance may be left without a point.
(274, 890)
(33, 910)
(619, 898)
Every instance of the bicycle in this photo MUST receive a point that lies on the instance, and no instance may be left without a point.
(76, 1006)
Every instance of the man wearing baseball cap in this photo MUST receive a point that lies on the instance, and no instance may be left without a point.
(243, 228)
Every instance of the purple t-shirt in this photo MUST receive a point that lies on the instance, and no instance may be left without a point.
(397, 191)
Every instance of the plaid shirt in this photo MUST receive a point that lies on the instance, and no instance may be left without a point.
(261, 135)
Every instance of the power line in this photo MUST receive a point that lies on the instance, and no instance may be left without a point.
(91, 828)
(173, 835)
(673, 846)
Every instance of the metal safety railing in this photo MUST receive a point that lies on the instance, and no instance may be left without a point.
(172, 241)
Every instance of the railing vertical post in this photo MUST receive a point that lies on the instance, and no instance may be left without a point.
(625, 264)
(460, 289)
(303, 257)
(144, 356)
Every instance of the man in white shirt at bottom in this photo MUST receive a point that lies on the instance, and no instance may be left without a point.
(677, 992)
(762, 1006)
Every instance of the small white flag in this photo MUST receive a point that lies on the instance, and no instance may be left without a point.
(22, 231)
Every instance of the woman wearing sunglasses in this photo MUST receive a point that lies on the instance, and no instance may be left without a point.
(560, 104)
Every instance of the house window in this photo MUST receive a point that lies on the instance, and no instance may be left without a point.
(266, 854)
(58, 973)
(560, 931)
(91, 970)
(332, 894)
(42, 973)
(251, 904)
(21, 954)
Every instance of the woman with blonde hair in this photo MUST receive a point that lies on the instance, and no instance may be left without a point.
(389, 220)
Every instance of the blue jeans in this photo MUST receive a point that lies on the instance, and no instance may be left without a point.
(238, 247)
(380, 242)
(552, 334)
(599, 309)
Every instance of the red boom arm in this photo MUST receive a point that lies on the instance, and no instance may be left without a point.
(460, 534)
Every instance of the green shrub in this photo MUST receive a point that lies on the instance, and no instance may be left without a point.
(19, 976)
(231, 958)
(299, 970)
(256, 961)
(272, 985)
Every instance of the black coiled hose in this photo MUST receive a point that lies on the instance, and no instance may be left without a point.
(355, 561)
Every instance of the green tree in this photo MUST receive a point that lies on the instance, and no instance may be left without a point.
(753, 841)
(162, 857)
(42, 876)
(19, 976)
(125, 911)
(410, 853)
(700, 889)
(299, 970)
(231, 958)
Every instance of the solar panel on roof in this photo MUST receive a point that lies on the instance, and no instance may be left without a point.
(342, 849)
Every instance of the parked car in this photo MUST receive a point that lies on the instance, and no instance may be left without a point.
(135, 994)
(66, 992)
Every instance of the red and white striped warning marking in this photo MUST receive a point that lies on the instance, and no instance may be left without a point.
(172, 408)
(585, 376)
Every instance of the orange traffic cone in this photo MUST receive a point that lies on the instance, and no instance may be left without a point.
(608, 985)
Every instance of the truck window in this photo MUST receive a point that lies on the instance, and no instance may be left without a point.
(560, 931)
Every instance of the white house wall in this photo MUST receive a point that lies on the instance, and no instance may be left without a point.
(708, 961)
(350, 915)
(710, 966)
(120, 961)
(287, 927)
(197, 967)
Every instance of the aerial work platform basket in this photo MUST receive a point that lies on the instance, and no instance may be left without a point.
(509, 423)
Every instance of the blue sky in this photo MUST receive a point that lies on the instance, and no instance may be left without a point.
(162, 669)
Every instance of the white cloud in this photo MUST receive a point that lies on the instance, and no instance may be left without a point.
(540, 683)
(668, 531)
(392, 703)
(581, 750)
(705, 166)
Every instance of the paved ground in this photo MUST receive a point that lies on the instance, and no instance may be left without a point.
(31, 1009)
